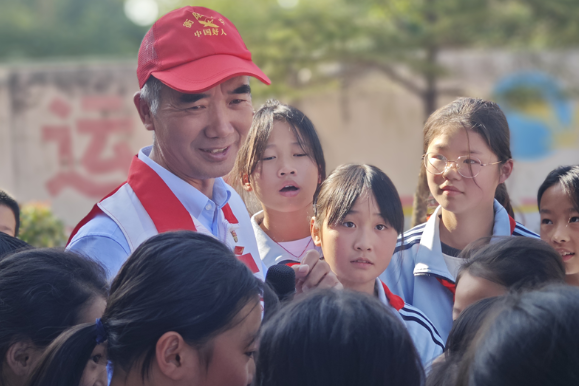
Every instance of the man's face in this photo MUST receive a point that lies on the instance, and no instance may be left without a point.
(7, 221)
(197, 136)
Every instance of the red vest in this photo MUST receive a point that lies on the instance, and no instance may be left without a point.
(144, 205)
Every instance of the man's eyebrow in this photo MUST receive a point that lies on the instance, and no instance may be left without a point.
(192, 98)
(244, 89)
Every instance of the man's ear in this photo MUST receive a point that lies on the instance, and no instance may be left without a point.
(144, 111)
(175, 359)
(245, 183)
(315, 232)
(506, 170)
(21, 358)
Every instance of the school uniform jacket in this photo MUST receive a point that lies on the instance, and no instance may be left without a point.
(426, 339)
(418, 272)
(270, 252)
(144, 206)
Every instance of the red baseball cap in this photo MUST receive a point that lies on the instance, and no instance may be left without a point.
(192, 49)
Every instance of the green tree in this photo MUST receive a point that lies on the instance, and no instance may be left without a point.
(40, 228)
(66, 28)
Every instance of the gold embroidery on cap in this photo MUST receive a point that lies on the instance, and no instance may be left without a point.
(209, 28)
(206, 21)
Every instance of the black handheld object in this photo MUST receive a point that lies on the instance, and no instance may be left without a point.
(282, 279)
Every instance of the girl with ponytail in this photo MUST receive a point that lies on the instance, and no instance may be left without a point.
(182, 310)
(42, 293)
(467, 158)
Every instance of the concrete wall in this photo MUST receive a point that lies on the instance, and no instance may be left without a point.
(68, 131)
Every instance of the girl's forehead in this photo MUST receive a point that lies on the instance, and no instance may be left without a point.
(555, 197)
(283, 131)
(459, 140)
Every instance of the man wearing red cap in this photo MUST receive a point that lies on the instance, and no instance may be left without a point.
(193, 71)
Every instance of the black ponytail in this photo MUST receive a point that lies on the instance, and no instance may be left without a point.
(502, 196)
(65, 359)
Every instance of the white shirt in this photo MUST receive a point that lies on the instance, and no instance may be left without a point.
(272, 253)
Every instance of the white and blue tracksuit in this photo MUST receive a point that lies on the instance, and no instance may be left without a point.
(426, 339)
(418, 272)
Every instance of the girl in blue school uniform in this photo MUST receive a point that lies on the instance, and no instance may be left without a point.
(357, 220)
(282, 163)
(467, 157)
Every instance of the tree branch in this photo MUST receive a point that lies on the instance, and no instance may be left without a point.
(400, 79)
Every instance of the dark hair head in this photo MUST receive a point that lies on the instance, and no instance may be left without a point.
(531, 340)
(482, 117)
(568, 177)
(467, 325)
(9, 244)
(252, 151)
(462, 333)
(336, 196)
(513, 262)
(11, 203)
(341, 338)
(184, 282)
(43, 292)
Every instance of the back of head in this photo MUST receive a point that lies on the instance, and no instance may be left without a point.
(531, 341)
(9, 244)
(463, 332)
(466, 326)
(43, 292)
(337, 338)
(184, 282)
(513, 262)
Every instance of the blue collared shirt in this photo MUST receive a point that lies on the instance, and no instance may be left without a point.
(102, 239)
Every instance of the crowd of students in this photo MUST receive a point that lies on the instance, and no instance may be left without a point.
(471, 297)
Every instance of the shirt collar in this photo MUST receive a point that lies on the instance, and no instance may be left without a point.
(430, 242)
(191, 198)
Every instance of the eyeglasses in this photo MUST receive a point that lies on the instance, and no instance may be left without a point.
(468, 167)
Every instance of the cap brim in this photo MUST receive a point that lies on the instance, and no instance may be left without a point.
(207, 72)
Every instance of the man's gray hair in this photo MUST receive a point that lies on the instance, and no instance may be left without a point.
(151, 93)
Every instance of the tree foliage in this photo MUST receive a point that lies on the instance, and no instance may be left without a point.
(40, 228)
(31, 29)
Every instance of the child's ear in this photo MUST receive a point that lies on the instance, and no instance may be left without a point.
(245, 183)
(175, 359)
(505, 170)
(315, 232)
(21, 358)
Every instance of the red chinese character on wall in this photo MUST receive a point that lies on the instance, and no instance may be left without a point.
(104, 154)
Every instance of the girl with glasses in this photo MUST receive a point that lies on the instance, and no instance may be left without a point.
(467, 157)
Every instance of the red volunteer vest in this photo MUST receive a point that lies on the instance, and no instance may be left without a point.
(168, 213)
